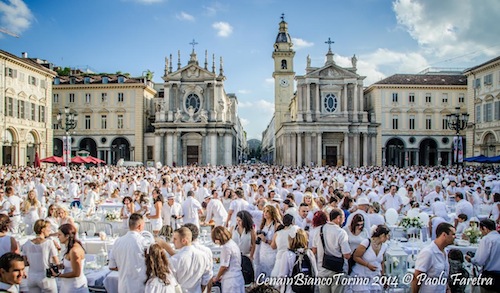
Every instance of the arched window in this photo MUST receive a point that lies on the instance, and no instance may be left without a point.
(192, 100)
(330, 103)
(283, 64)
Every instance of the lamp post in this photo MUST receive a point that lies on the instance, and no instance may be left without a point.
(70, 120)
(457, 121)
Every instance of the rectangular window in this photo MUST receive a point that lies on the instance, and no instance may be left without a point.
(445, 123)
(55, 99)
(88, 98)
(10, 106)
(21, 76)
(10, 72)
(394, 97)
(394, 122)
(104, 97)
(104, 121)
(497, 110)
(120, 121)
(478, 114)
(150, 152)
(477, 83)
(21, 112)
(411, 98)
(120, 97)
(71, 98)
(55, 126)
(411, 122)
(445, 98)
(87, 121)
(32, 80)
(428, 98)
(428, 122)
(461, 98)
(43, 84)
(488, 79)
(33, 111)
(41, 114)
(488, 112)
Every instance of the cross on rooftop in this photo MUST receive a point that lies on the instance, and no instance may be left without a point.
(329, 42)
(282, 17)
(193, 43)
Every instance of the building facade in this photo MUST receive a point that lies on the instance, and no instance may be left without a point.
(196, 121)
(411, 110)
(113, 114)
(483, 90)
(325, 122)
(25, 122)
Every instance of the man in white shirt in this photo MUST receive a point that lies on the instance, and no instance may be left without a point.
(236, 205)
(73, 191)
(431, 266)
(215, 209)
(437, 193)
(189, 265)
(128, 257)
(439, 209)
(392, 200)
(11, 272)
(172, 212)
(463, 207)
(363, 205)
(13, 207)
(191, 209)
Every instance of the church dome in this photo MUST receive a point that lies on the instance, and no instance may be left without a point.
(283, 35)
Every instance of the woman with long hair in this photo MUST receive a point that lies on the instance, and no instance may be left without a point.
(127, 210)
(267, 255)
(357, 231)
(227, 197)
(369, 258)
(319, 219)
(40, 254)
(280, 240)
(73, 279)
(64, 217)
(30, 208)
(159, 276)
(230, 273)
(155, 212)
(346, 206)
(244, 233)
(7, 242)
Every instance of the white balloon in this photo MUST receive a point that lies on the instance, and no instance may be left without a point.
(391, 217)
(424, 217)
(402, 191)
(405, 200)
(413, 213)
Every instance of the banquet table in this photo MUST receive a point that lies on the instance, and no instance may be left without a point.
(93, 245)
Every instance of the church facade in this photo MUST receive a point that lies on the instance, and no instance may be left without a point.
(325, 121)
(196, 121)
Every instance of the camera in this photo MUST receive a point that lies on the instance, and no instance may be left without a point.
(306, 228)
(48, 272)
(470, 254)
(258, 240)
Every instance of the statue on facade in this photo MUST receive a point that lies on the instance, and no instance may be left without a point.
(191, 114)
(178, 115)
(354, 60)
(160, 106)
(203, 116)
(308, 61)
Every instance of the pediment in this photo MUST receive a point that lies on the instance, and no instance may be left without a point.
(87, 110)
(332, 71)
(192, 72)
(429, 111)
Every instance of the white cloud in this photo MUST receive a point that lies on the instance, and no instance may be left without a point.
(214, 8)
(244, 92)
(224, 29)
(451, 28)
(184, 16)
(300, 43)
(269, 80)
(16, 17)
(264, 106)
(244, 122)
(242, 104)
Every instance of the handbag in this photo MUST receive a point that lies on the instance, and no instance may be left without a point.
(331, 262)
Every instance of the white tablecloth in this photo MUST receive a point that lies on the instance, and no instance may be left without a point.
(93, 245)
(111, 282)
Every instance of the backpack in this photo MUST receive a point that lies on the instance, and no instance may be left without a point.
(351, 262)
(302, 265)
(247, 269)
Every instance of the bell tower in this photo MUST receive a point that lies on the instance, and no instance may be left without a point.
(283, 73)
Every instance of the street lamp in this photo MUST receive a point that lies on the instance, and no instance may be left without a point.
(70, 120)
(457, 121)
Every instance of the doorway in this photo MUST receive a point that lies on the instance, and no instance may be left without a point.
(331, 155)
(192, 154)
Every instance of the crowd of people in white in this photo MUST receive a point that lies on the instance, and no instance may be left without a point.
(263, 217)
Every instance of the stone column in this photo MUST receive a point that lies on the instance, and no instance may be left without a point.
(417, 157)
(158, 144)
(300, 110)
(168, 149)
(213, 148)
(365, 149)
(320, 149)
(346, 149)
(299, 149)
(175, 148)
(228, 147)
(344, 100)
(355, 102)
(383, 157)
(293, 151)
(318, 99)
(308, 103)
(373, 144)
(355, 158)
(307, 157)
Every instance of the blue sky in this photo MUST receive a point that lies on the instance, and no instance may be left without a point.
(388, 37)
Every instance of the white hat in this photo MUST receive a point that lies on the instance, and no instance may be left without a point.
(362, 200)
(170, 195)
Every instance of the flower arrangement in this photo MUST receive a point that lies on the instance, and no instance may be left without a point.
(408, 222)
(473, 234)
(113, 216)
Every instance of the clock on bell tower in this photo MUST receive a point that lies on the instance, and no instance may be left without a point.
(283, 72)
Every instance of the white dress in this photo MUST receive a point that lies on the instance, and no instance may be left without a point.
(155, 285)
(156, 224)
(73, 285)
(39, 257)
(375, 259)
(232, 280)
(30, 218)
(267, 255)
(282, 246)
(244, 241)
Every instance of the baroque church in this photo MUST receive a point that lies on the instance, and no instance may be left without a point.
(325, 121)
(196, 122)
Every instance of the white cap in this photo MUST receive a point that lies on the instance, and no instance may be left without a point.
(362, 200)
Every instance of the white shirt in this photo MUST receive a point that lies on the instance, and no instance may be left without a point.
(216, 210)
(168, 211)
(488, 252)
(464, 207)
(189, 266)
(128, 256)
(391, 201)
(237, 205)
(439, 209)
(73, 190)
(190, 208)
(434, 263)
(336, 242)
